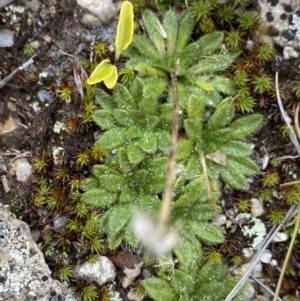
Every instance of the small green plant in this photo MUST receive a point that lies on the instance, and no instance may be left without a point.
(225, 14)
(41, 163)
(248, 20)
(64, 273)
(65, 93)
(296, 88)
(28, 50)
(213, 256)
(243, 205)
(262, 83)
(234, 39)
(263, 52)
(270, 179)
(276, 215)
(201, 9)
(100, 48)
(237, 260)
(88, 292)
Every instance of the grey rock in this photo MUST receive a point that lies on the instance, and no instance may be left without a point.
(5, 2)
(24, 275)
(101, 272)
(105, 10)
(289, 53)
(44, 96)
(283, 21)
(22, 169)
(6, 38)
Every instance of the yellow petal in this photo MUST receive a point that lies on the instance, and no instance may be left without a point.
(111, 81)
(101, 72)
(125, 28)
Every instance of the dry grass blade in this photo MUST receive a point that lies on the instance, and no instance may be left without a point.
(270, 236)
(166, 203)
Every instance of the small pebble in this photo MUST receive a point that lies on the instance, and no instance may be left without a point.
(60, 222)
(249, 292)
(256, 207)
(266, 256)
(220, 220)
(5, 2)
(257, 271)
(247, 253)
(289, 53)
(280, 236)
(22, 169)
(44, 96)
(6, 38)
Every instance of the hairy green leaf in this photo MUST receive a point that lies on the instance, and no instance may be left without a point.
(184, 149)
(113, 138)
(159, 289)
(99, 197)
(144, 47)
(207, 232)
(124, 117)
(210, 43)
(153, 25)
(105, 100)
(89, 184)
(171, 24)
(123, 98)
(186, 26)
(134, 153)
(214, 63)
(103, 118)
(148, 142)
(244, 126)
(222, 115)
(223, 85)
(112, 183)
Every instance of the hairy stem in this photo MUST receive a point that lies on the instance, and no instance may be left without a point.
(166, 202)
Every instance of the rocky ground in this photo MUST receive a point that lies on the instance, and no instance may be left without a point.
(42, 100)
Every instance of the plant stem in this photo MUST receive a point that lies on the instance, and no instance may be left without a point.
(166, 202)
(288, 255)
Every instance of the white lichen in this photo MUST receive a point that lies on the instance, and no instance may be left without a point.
(58, 127)
(256, 229)
(296, 26)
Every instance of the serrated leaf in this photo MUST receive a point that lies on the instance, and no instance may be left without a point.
(193, 129)
(195, 108)
(206, 86)
(113, 138)
(244, 166)
(193, 167)
(144, 68)
(124, 29)
(233, 179)
(123, 98)
(145, 48)
(171, 25)
(184, 149)
(211, 272)
(155, 88)
(163, 140)
(210, 291)
(165, 113)
(119, 217)
(213, 64)
(130, 237)
(148, 142)
(103, 118)
(206, 232)
(112, 183)
(105, 100)
(244, 126)
(189, 253)
(152, 25)
(89, 184)
(188, 56)
(222, 115)
(124, 164)
(223, 85)
(136, 88)
(103, 71)
(210, 43)
(148, 203)
(159, 289)
(101, 169)
(134, 153)
(235, 149)
(158, 166)
(124, 117)
(128, 196)
(186, 26)
(147, 105)
(182, 282)
(99, 197)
